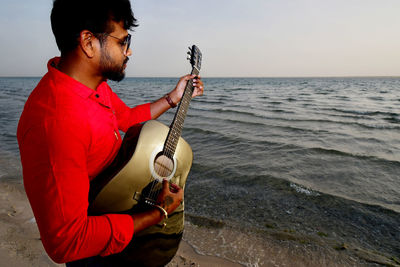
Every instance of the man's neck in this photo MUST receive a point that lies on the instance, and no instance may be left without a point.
(79, 70)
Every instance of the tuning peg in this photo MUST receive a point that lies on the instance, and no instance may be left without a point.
(190, 48)
(188, 58)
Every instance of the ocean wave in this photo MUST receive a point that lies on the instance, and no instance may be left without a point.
(367, 113)
(219, 110)
(328, 151)
(220, 139)
(303, 190)
(393, 119)
(10, 135)
(222, 113)
(235, 89)
(348, 123)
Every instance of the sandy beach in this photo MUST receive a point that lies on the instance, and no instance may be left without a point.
(206, 243)
(20, 243)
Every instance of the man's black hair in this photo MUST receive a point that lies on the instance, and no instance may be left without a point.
(70, 17)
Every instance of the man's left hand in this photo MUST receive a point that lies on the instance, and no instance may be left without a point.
(198, 89)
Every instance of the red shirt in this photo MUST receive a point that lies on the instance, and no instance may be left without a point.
(67, 134)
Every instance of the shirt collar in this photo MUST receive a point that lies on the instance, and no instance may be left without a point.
(69, 82)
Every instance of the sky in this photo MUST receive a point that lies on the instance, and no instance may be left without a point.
(238, 38)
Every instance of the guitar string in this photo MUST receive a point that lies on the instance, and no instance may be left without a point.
(169, 150)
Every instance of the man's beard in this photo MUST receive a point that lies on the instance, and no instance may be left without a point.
(109, 69)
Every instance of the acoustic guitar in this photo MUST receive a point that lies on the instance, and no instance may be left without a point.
(149, 153)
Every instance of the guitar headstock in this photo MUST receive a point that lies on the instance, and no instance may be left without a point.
(195, 57)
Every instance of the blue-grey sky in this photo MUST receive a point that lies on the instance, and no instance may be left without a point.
(256, 38)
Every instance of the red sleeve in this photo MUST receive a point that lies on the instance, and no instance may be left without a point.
(57, 185)
(127, 116)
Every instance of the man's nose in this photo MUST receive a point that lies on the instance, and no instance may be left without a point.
(129, 52)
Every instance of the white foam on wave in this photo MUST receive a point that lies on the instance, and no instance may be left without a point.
(303, 190)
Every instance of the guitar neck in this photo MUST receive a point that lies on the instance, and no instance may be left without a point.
(176, 127)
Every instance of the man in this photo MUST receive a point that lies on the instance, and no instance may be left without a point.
(69, 132)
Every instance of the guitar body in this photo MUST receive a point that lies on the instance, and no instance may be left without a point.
(123, 191)
(118, 190)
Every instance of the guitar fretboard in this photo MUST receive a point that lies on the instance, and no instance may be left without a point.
(176, 127)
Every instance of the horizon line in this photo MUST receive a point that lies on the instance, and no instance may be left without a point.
(242, 77)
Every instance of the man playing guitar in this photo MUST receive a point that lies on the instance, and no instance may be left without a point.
(69, 132)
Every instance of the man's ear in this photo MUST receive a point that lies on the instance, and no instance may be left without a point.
(87, 42)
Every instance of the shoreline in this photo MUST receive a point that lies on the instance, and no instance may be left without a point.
(206, 242)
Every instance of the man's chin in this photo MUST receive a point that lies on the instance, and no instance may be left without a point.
(114, 76)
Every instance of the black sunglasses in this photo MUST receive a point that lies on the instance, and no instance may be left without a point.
(124, 42)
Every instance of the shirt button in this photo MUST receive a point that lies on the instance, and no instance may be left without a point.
(97, 96)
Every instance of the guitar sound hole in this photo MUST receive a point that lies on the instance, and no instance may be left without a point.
(163, 165)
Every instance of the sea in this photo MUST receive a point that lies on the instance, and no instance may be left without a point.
(311, 157)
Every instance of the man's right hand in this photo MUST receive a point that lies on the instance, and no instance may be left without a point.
(170, 197)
